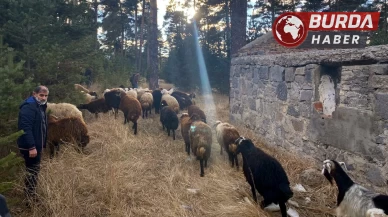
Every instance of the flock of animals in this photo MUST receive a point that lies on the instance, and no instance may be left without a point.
(263, 172)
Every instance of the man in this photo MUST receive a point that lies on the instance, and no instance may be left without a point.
(134, 80)
(33, 121)
(4, 212)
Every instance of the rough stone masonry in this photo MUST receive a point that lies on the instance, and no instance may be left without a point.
(320, 103)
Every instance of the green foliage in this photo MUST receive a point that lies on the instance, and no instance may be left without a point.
(9, 164)
(14, 87)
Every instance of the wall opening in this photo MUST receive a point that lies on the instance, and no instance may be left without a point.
(328, 91)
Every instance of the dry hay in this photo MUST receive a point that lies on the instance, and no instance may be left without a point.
(149, 174)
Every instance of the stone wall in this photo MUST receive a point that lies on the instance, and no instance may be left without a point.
(324, 104)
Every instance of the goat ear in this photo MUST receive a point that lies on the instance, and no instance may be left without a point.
(343, 165)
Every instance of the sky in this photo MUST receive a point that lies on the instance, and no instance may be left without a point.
(162, 5)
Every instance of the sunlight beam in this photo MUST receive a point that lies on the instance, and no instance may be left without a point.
(206, 89)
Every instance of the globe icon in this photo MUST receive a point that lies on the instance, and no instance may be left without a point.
(290, 30)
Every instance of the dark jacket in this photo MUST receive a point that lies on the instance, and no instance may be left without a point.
(34, 124)
(4, 212)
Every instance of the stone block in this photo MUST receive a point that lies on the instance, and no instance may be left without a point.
(300, 71)
(298, 125)
(263, 72)
(379, 81)
(281, 91)
(252, 104)
(309, 76)
(373, 175)
(235, 83)
(299, 79)
(291, 110)
(305, 95)
(276, 73)
(378, 69)
(381, 105)
(290, 74)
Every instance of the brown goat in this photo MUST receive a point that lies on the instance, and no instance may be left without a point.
(131, 108)
(200, 141)
(195, 109)
(227, 135)
(72, 130)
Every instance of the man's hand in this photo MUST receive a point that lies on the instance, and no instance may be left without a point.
(33, 153)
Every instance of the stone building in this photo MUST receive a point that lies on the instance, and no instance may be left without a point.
(320, 103)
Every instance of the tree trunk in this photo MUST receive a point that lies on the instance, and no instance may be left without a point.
(227, 32)
(238, 24)
(136, 37)
(154, 73)
(141, 37)
(148, 44)
(96, 23)
(122, 31)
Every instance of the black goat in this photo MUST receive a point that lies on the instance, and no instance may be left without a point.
(112, 99)
(157, 95)
(183, 99)
(266, 174)
(168, 118)
(353, 200)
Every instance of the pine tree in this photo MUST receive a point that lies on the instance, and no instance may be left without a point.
(14, 86)
(9, 164)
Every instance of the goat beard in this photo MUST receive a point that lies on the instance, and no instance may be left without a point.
(328, 176)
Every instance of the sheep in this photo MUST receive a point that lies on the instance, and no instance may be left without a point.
(88, 97)
(227, 135)
(264, 173)
(71, 129)
(131, 92)
(81, 88)
(183, 99)
(157, 96)
(185, 122)
(200, 135)
(131, 108)
(353, 199)
(140, 92)
(171, 101)
(168, 118)
(195, 109)
(64, 110)
(95, 106)
(112, 99)
(146, 102)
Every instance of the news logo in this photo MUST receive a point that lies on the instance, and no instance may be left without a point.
(325, 29)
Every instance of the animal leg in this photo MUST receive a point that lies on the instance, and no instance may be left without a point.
(236, 159)
(173, 134)
(188, 148)
(51, 148)
(221, 150)
(125, 117)
(135, 127)
(283, 209)
(116, 112)
(206, 163)
(143, 113)
(201, 164)
(168, 131)
(253, 193)
(231, 159)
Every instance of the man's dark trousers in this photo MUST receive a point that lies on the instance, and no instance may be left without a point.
(32, 167)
